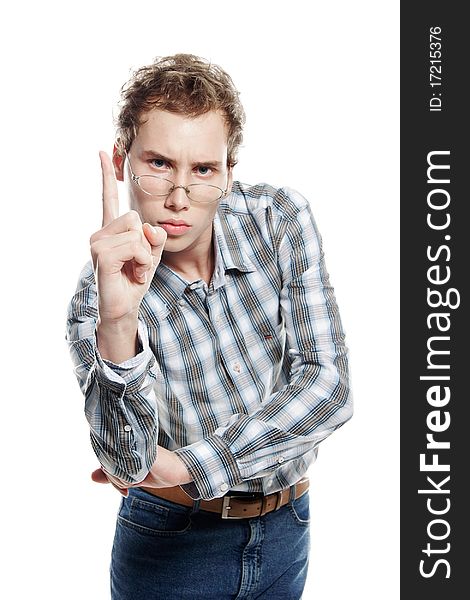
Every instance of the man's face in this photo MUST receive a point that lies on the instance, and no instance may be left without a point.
(184, 150)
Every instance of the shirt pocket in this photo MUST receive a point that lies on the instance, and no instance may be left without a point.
(265, 345)
(273, 339)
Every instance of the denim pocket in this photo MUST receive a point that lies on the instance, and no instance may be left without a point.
(154, 516)
(300, 509)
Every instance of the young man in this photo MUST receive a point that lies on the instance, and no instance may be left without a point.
(208, 344)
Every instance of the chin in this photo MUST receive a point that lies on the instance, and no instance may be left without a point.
(174, 244)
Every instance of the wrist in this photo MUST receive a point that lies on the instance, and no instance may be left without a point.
(117, 340)
(183, 475)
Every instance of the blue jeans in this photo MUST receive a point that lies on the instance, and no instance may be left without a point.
(167, 551)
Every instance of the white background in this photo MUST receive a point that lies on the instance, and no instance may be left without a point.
(319, 82)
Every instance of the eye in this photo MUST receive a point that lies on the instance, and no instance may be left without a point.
(159, 163)
(203, 170)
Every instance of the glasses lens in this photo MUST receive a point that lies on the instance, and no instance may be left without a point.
(200, 192)
(155, 185)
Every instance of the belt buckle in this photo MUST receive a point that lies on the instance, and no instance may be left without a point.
(226, 507)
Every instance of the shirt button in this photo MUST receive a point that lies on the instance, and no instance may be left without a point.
(280, 460)
(181, 302)
(237, 368)
(127, 428)
(224, 487)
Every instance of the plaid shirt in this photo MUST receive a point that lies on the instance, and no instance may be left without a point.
(243, 377)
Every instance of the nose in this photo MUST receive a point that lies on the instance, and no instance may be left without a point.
(177, 199)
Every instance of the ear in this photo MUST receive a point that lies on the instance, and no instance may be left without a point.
(118, 162)
(229, 179)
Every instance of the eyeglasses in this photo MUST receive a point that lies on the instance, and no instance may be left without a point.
(154, 185)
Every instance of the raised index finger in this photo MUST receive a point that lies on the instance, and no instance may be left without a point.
(110, 190)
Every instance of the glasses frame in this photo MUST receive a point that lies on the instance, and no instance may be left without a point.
(136, 179)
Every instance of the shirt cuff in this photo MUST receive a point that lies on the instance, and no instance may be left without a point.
(212, 468)
(128, 375)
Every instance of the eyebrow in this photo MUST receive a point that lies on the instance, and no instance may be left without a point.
(216, 164)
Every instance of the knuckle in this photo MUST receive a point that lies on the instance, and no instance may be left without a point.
(133, 219)
(94, 237)
(99, 251)
(94, 247)
(136, 247)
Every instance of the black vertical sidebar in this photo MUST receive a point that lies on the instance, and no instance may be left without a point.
(435, 268)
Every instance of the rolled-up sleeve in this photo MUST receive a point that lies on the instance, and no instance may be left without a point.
(120, 403)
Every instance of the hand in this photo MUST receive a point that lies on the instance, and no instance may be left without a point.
(167, 471)
(125, 255)
(100, 476)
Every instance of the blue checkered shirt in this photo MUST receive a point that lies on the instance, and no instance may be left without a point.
(242, 378)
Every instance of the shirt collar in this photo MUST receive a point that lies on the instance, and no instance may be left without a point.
(229, 254)
(227, 246)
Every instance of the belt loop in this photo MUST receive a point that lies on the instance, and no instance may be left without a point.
(196, 504)
(292, 493)
(264, 506)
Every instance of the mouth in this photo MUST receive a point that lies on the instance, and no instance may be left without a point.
(174, 227)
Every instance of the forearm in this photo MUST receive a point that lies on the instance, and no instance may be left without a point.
(289, 425)
(117, 341)
(168, 470)
(123, 422)
(120, 402)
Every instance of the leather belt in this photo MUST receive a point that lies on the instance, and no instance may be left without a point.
(234, 506)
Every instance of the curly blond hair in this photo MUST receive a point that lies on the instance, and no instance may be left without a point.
(184, 84)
